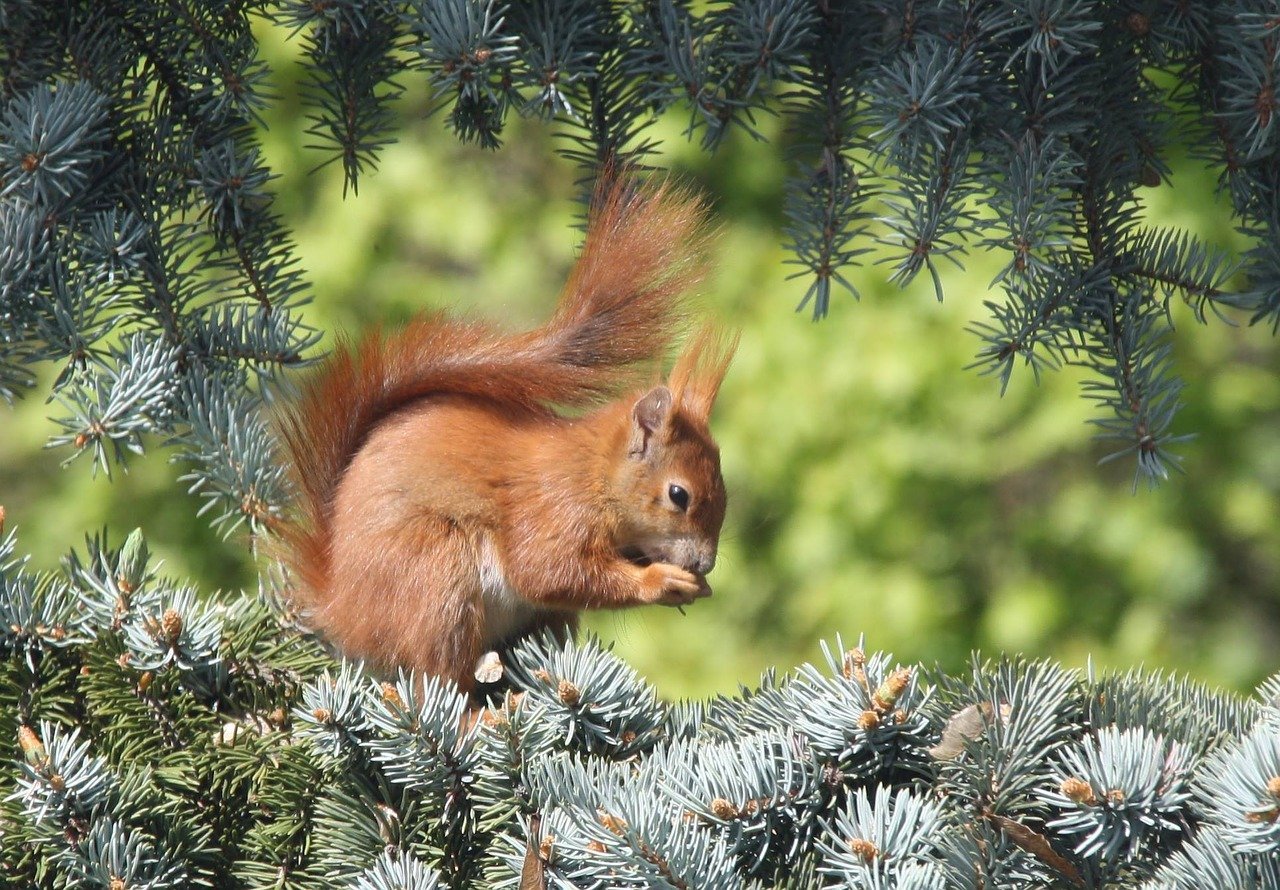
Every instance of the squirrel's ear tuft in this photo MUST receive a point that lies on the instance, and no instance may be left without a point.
(696, 378)
(648, 415)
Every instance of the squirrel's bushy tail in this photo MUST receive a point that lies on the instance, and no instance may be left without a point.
(619, 309)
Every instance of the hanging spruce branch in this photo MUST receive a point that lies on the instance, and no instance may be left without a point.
(141, 255)
(132, 191)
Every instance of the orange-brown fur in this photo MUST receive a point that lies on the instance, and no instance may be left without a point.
(446, 506)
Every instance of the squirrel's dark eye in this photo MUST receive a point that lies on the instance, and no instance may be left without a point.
(678, 496)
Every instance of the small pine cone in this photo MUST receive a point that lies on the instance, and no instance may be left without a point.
(1116, 796)
(863, 849)
(123, 659)
(1078, 790)
(542, 675)
(1258, 817)
(278, 717)
(1273, 787)
(614, 823)
(723, 809)
(57, 783)
(171, 625)
(32, 748)
(569, 694)
(869, 720)
(547, 847)
(391, 696)
(492, 718)
(595, 846)
(628, 736)
(1139, 24)
(145, 681)
(892, 687)
(322, 715)
(117, 884)
(854, 659)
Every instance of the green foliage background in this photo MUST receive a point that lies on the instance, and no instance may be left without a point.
(876, 487)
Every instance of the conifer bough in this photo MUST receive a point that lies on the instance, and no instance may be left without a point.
(133, 193)
(159, 741)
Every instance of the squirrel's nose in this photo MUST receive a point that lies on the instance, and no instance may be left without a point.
(705, 563)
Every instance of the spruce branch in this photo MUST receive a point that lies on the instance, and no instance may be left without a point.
(134, 191)
(167, 744)
(824, 198)
(884, 838)
(60, 779)
(1238, 790)
(397, 870)
(1119, 791)
(598, 702)
(760, 793)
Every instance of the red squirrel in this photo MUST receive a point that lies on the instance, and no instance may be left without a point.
(448, 505)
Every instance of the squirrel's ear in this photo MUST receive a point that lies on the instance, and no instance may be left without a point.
(648, 415)
(695, 379)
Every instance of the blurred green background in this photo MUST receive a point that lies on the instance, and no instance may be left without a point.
(876, 487)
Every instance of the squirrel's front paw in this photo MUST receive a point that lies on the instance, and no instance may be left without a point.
(674, 586)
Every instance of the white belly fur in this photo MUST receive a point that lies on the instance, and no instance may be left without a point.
(505, 611)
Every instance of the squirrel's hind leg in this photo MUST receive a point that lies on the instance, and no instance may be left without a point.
(409, 598)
